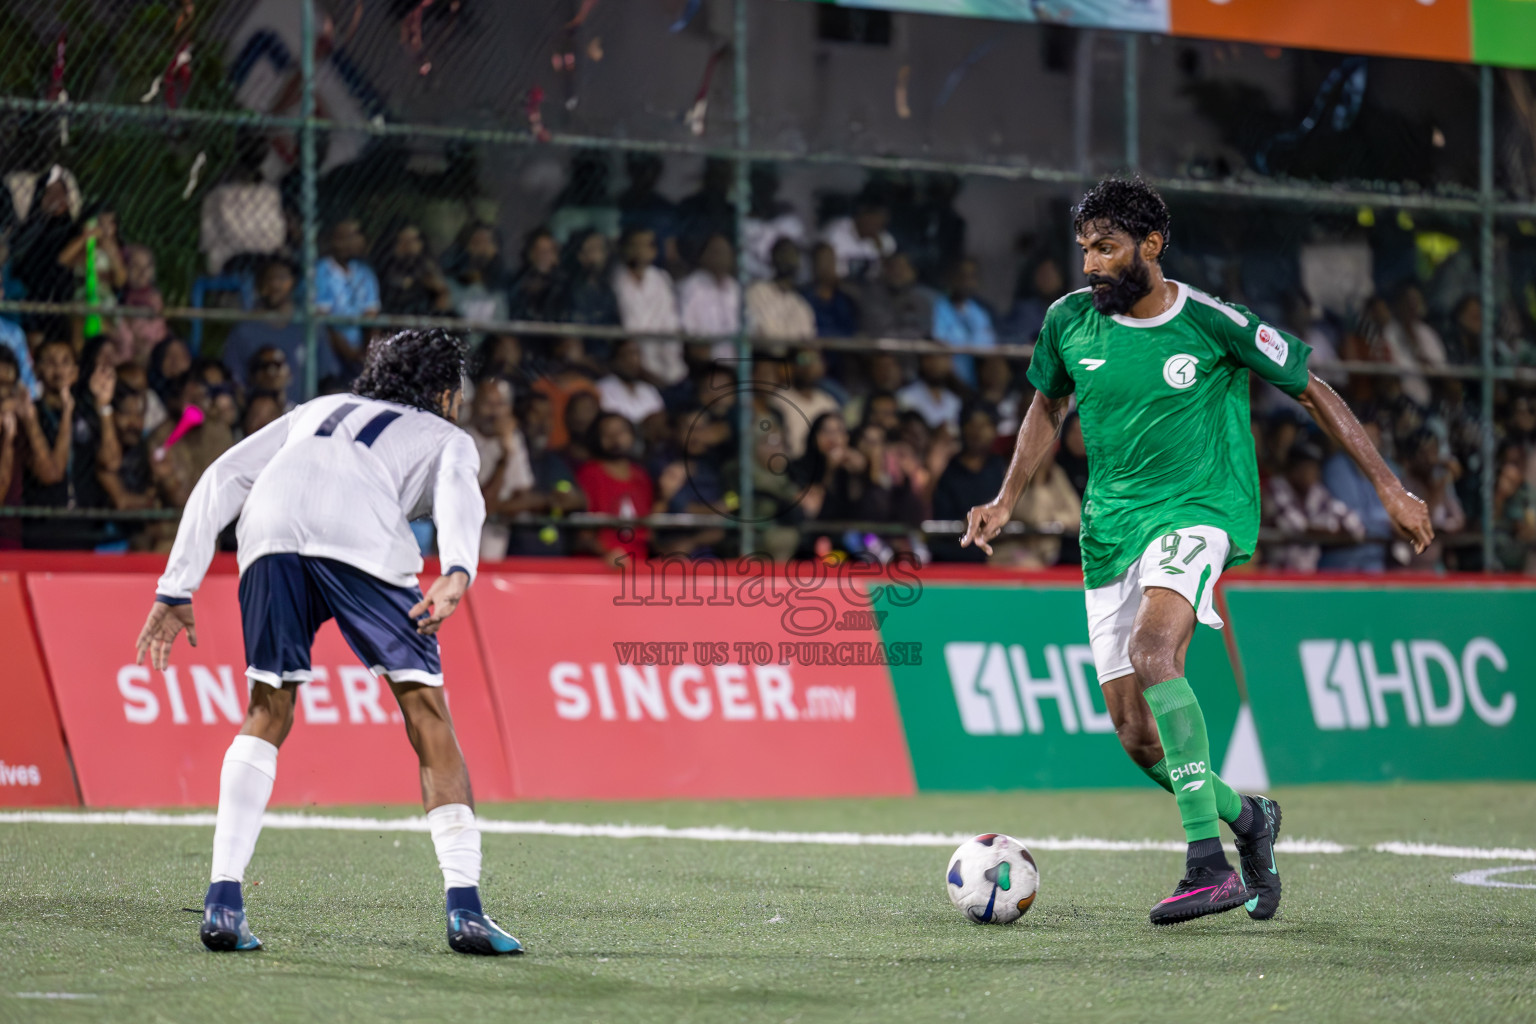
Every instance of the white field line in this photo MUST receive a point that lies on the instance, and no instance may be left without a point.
(722, 834)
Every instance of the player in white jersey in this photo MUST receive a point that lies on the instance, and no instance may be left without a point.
(325, 496)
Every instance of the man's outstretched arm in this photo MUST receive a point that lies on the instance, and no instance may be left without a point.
(1042, 422)
(1410, 516)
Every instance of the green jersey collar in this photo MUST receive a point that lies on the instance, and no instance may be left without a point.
(1161, 318)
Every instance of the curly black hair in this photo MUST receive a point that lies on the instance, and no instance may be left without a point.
(413, 368)
(1126, 204)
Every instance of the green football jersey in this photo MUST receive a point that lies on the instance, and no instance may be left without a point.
(1164, 410)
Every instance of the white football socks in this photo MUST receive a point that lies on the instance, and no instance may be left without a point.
(245, 785)
(457, 840)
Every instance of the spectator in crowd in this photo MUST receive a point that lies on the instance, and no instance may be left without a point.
(708, 211)
(775, 310)
(884, 374)
(136, 336)
(274, 293)
(261, 408)
(1302, 509)
(1041, 284)
(12, 337)
(568, 378)
(1052, 509)
(47, 228)
(692, 484)
(553, 479)
(895, 305)
(1343, 479)
(625, 391)
(831, 473)
(959, 319)
(616, 485)
(476, 280)
(709, 299)
(243, 215)
(1411, 343)
(347, 286)
(997, 387)
(580, 413)
(538, 282)
(199, 447)
(642, 208)
(881, 409)
(506, 475)
(66, 443)
(973, 477)
(13, 454)
(99, 226)
(648, 305)
(586, 296)
(1432, 475)
(168, 359)
(769, 221)
(931, 396)
(1514, 512)
(831, 301)
(139, 481)
(269, 372)
(860, 243)
(586, 202)
(804, 400)
(410, 283)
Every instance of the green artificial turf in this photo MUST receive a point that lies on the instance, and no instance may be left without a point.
(673, 930)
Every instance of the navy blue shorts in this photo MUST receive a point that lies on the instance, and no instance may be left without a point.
(286, 598)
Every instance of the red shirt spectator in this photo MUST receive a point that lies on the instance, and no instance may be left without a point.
(617, 485)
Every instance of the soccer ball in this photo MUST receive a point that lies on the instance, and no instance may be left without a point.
(992, 879)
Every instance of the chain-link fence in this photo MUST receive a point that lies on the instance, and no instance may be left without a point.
(792, 210)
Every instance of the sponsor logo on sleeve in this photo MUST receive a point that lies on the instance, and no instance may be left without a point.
(1272, 343)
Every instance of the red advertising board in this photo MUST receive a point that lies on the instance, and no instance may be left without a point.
(143, 738)
(1433, 30)
(607, 696)
(34, 770)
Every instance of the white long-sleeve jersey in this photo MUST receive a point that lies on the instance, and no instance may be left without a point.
(339, 477)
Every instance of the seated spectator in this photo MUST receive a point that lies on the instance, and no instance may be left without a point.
(1041, 284)
(346, 286)
(882, 409)
(567, 379)
(222, 395)
(580, 413)
(896, 306)
(831, 473)
(709, 299)
(410, 282)
(13, 454)
(643, 208)
(884, 373)
(996, 385)
(616, 485)
(506, 477)
(831, 302)
(1052, 508)
(136, 481)
(769, 221)
(775, 310)
(625, 392)
(197, 448)
(274, 291)
(1514, 512)
(553, 479)
(586, 296)
(1412, 343)
(261, 408)
(243, 215)
(1432, 475)
(269, 372)
(136, 336)
(1302, 508)
(585, 203)
(46, 229)
(67, 439)
(693, 483)
(708, 211)
(931, 396)
(99, 225)
(532, 293)
(973, 477)
(860, 243)
(958, 319)
(475, 277)
(647, 305)
(1344, 481)
(804, 400)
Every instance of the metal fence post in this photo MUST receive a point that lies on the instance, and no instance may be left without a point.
(1132, 103)
(746, 449)
(308, 199)
(1489, 300)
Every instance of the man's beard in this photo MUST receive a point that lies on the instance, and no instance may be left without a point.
(1124, 291)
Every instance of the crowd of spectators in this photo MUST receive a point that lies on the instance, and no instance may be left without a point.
(850, 453)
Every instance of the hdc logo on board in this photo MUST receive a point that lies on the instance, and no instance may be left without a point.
(1429, 684)
(998, 693)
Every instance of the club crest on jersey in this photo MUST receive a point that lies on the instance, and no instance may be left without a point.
(1179, 371)
(1272, 343)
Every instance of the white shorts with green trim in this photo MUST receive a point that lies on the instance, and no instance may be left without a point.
(1187, 561)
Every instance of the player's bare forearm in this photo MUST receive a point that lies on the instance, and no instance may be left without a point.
(1409, 514)
(1042, 422)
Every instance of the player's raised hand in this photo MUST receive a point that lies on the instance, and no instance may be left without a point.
(1410, 517)
(160, 629)
(439, 603)
(983, 523)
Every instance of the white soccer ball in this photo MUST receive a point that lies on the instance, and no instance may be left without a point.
(992, 879)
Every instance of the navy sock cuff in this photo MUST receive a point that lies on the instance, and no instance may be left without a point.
(465, 898)
(225, 894)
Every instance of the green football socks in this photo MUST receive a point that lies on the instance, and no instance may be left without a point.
(1229, 802)
(1187, 756)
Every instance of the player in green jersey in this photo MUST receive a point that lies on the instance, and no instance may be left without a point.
(1160, 372)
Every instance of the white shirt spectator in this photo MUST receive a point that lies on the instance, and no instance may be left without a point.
(709, 305)
(761, 235)
(634, 401)
(858, 258)
(518, 476)
(1299, 514)
(779, 315)
(648, 305)
(241, 217)
(937, 408)
(1419, 348)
